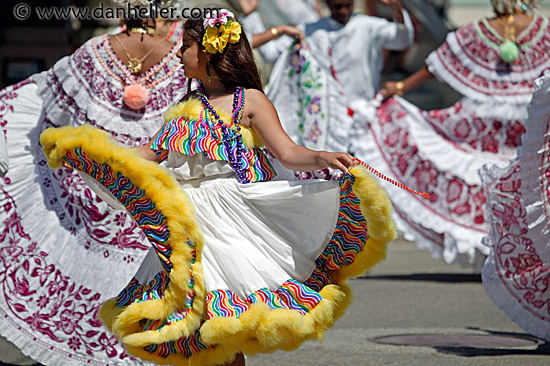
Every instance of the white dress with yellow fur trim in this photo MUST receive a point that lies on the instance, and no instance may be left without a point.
(234, 267)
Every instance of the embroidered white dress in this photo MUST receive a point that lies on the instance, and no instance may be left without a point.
(3, 157)
(56, 236)
(440, 151)
(516, 272)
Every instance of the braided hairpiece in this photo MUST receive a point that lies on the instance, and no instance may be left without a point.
(221, 29)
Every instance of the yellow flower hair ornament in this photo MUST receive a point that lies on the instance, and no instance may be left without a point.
(221, 30)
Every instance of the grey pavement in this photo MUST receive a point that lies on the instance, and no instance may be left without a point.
(409, 293)
(412, 293)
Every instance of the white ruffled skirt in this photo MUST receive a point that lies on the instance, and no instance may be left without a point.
(234, 267)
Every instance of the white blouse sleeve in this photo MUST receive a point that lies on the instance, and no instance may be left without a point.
(273, 49)
(394, 35)
(253, 24)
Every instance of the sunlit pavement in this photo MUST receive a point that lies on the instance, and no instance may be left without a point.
(412, 293)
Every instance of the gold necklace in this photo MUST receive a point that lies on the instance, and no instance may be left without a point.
(135, 65)
(143, 30)
(509, 29)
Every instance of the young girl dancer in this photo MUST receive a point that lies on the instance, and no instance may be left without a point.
(242, 261)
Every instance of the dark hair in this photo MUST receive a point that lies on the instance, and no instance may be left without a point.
(235, 66)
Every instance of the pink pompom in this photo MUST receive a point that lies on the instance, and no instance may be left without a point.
(135, 96)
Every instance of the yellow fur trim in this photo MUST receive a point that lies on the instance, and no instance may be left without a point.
(192, 109)
(259, 329)
(173, 202)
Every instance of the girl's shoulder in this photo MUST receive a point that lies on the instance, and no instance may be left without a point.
(256, 102)
(255, 94)
(256, 98)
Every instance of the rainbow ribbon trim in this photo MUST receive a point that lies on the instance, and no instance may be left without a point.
(142, 209)
(135, 292)
(348, 239)
(187, 346)
(191, 137)
(154, 225)
(223, 303)
(291, 295)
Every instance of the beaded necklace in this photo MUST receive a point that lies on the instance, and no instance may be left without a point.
(231, 137)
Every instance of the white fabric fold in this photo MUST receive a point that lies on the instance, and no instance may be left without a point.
(3, 156)
(516, 273)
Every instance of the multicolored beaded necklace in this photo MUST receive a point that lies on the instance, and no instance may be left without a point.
(231, 136)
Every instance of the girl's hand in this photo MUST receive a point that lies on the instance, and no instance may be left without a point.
(336, 160)
(292, 32)
(396, 9)
(146, 153)
(388, 89)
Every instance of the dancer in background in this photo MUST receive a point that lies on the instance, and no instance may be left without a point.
(291, 12)
(243, 261)
(492, 63)
(269, 42)
(57, 237)
(317, 88)
(516, 273)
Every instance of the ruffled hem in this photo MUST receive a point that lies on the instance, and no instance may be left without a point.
(498, 292)
(456, 157)
(514, 269)
(260, 328)
(533, 171)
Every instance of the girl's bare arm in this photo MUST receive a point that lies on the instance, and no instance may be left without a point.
(264, 120)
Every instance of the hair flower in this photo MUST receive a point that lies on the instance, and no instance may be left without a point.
(233, 31)
(220, 30)
(222, 18)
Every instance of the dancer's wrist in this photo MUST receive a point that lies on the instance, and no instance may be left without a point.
(400, 88)
(275, 32)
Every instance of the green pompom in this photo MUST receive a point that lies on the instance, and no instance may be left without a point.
(509, 51)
